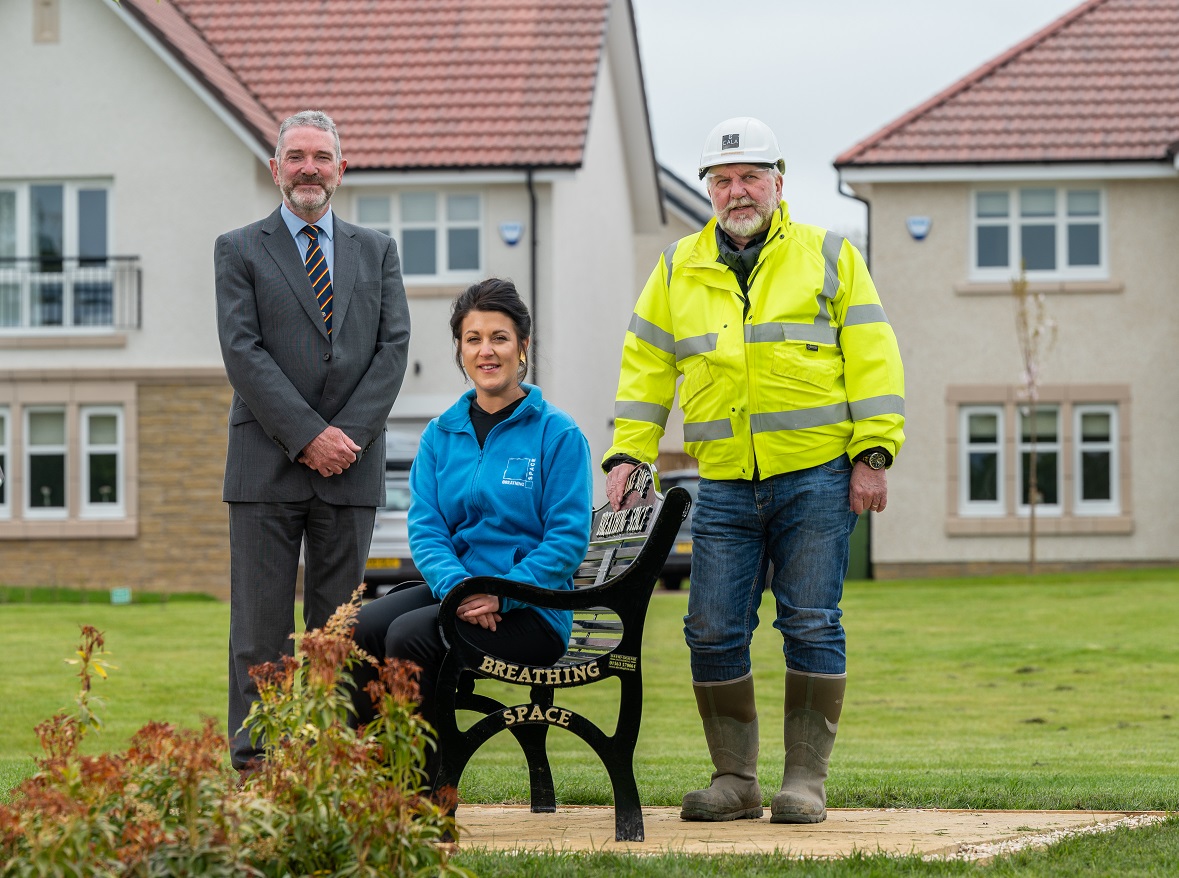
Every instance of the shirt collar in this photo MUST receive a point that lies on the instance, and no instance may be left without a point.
(295, 224)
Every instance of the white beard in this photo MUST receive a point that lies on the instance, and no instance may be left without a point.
(748, 227)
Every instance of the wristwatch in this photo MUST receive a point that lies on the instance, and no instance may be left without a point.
(877, 458)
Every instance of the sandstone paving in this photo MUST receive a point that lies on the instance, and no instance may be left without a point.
(925, 832)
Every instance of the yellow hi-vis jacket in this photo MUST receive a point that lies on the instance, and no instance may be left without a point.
(810, 372)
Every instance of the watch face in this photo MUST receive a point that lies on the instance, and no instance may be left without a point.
(876, 460)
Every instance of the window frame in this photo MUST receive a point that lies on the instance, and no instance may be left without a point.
(1075, 517)
(73, 395)
(1055, 446)
(46, 513)
(441, 225)
(981, 508)
(1113, 505)
(87, 507)
(6, 462)
(76, 269)
(1015, 222)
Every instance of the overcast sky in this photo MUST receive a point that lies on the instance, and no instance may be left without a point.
(823, 76)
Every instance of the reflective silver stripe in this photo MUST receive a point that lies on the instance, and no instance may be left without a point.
(823, 333)
(878, 405)
(652, 334)
(668, 255)
(832, 244)
(699, 344)
(708, 431)
(801, 419)
(648, 412)
(858, 314)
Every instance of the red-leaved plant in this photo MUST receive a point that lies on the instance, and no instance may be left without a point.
(326, 800)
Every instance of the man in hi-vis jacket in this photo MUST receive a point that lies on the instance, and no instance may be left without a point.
(793, 402)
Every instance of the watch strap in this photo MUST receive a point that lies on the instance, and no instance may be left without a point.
(863, 455)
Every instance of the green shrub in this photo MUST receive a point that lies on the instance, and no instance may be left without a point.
(327, 800)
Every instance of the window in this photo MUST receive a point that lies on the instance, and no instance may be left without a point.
(1080, 459)
(65, 453)
(982, 460)
(1096, 461)
(4, 466)
(1053, 233)
(439, 234)
(55, 263)
(45, 462)
(1039, 434)
(102, 461)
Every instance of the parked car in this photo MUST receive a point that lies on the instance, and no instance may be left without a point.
(678, 566)
(389, 560)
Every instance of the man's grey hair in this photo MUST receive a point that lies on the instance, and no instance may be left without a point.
(308, 119)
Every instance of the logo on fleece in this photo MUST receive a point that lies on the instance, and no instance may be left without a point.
(520, 471)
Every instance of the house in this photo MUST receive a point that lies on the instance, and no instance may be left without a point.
(499, 137)
(1060, 157)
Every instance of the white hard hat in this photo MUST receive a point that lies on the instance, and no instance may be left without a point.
(741, 141)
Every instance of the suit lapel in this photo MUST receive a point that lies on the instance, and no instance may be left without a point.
(285, 253)
(347, 258)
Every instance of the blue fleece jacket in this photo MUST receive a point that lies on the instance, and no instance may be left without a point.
(519, 508)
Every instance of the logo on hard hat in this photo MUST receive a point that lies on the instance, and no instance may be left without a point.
(730, 141)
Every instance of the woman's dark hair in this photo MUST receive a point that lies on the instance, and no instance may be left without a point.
(493, 294)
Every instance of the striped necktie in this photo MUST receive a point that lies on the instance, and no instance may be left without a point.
(317, 272)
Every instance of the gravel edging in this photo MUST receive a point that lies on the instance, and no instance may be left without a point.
(982, 852)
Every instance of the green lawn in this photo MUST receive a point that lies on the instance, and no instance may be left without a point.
(1053, 692)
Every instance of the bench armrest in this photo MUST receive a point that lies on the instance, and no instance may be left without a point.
(524, 592)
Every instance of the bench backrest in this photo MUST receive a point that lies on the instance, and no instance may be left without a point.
(617, 539)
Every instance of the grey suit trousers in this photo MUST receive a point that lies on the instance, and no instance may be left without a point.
(264, 559)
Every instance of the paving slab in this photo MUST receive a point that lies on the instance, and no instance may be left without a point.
(925, 832)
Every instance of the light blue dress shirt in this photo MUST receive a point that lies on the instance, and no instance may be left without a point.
(326, 225)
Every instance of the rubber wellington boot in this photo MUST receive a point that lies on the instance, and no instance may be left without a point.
(730, 728)
(813, 704)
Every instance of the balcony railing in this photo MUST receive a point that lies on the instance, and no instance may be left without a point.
(70, 291)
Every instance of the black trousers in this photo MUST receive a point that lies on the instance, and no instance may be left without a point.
(404, 624)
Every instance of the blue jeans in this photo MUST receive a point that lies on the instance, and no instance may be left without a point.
(802, 523)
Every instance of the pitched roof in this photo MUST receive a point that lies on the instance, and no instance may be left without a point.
(684, 198)
(411, 84)
(1101, 83)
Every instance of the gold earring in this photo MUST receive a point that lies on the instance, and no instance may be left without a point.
(522, 360)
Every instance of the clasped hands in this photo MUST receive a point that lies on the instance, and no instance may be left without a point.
(481, 610)
(330, 453)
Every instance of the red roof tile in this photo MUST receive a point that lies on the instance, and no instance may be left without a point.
(1099, 84)
(410, 83)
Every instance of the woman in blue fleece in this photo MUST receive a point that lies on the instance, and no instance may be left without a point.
(500, 486)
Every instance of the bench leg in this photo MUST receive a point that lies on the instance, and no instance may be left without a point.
(628, 813)
(532, 739)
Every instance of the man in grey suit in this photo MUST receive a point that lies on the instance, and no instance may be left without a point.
(314, 331)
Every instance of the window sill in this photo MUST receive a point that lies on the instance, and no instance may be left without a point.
(38, 340)
(65, 529)
(1051, 287)
(961, 526)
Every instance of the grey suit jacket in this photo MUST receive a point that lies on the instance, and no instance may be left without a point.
(290, 380)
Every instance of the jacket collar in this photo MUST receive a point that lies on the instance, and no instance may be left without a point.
(457, 418)
(706, 251)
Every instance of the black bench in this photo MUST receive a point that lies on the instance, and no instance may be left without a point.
(609, 604)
